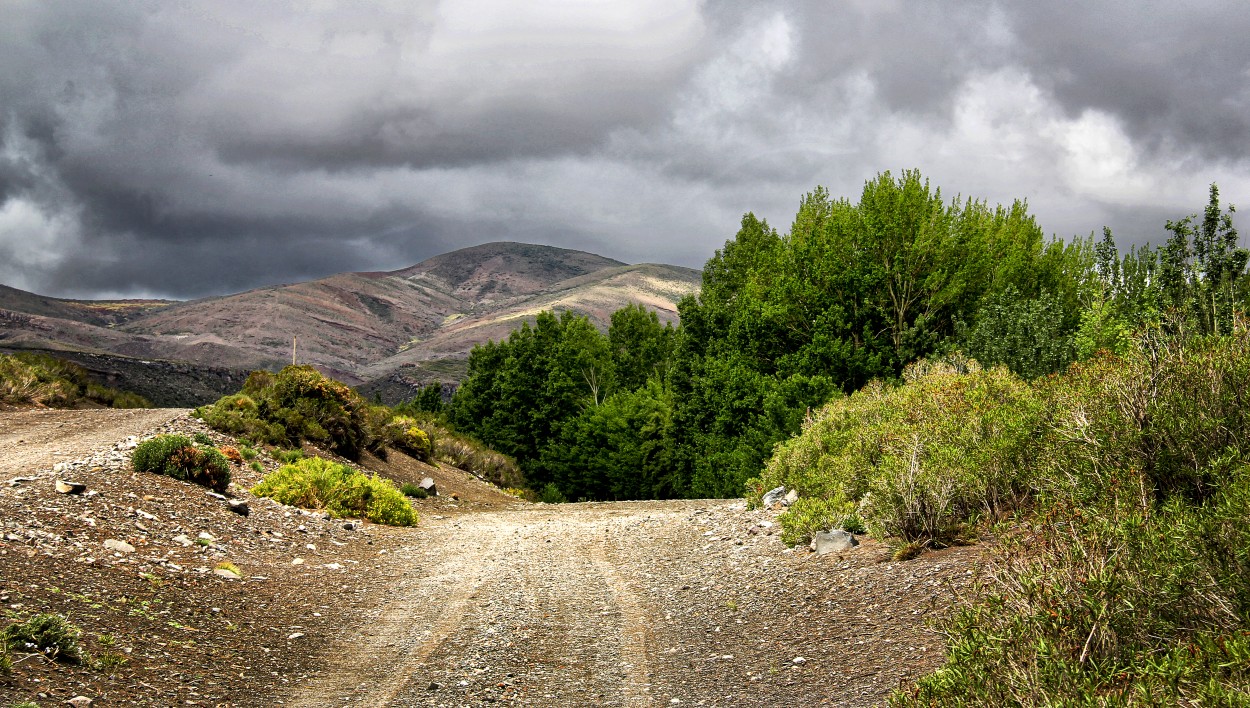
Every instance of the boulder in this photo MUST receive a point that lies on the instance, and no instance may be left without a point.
(791, 497)
(238, 506)
(773, 497)
(428, 485)
(834, 541)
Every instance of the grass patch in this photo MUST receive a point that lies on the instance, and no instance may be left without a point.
(316, 483)
(49, 634)
(47, 381)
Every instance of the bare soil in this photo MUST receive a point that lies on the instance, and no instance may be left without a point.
(489, 600)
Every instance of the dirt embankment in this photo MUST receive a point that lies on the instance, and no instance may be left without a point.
(487, 601)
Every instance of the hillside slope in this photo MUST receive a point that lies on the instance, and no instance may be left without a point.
(93, 312)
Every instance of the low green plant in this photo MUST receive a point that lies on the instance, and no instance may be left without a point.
(202, 439)
(289, 456)
(1124, 582)
(256, 466)
(409, 489)
(404, 434)
(247, 451)
(107, 660)
(24, 704)
(316, 483)
(175, 456)
(810, 515)
(49, 634)
(551, 494)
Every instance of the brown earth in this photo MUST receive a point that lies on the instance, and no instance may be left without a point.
(489, 600)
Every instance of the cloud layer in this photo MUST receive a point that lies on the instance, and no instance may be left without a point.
(189, 149)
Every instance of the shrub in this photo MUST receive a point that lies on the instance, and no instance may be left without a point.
(551, 494)
(316, 483)
(232, 454)
(809, 515)
(202, 439)
(299, 404)
(402, 433)
(1133, 606)
(1127, 585)
(175, 456)
(919, 460)
(239, 415)
(248, 452)
(288, 456)
(49, 634)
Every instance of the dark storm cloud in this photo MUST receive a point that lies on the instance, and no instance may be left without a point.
(1175, 73)
(196, 148)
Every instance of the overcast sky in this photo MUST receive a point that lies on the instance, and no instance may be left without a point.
(184, 149)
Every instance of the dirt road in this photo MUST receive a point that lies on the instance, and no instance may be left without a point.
(615, 604)
(635, 604)
(30, 439)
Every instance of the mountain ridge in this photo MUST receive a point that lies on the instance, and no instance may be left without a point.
(412, 325)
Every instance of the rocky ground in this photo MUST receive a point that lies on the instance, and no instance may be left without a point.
(489, 600)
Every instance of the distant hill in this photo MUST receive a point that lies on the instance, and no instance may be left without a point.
(95, 312)
(387, 331)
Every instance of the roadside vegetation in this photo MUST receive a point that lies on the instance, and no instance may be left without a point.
(299, 404)
(44, 380)
(316, 483)
(179, 457)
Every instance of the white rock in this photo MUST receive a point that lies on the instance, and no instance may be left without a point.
(120, 546)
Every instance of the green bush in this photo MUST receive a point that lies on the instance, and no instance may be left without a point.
(49, 634)
(316, 483)
(288, 456)
(403, 434)
(239, 415)
(809, 515)
(299, 404)
(176, 456)
(202, 439)
(464, 452)
(411, 490)
(551, 494)
(918, 461)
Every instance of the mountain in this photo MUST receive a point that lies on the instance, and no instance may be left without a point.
(386, 331)
(94, 312)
